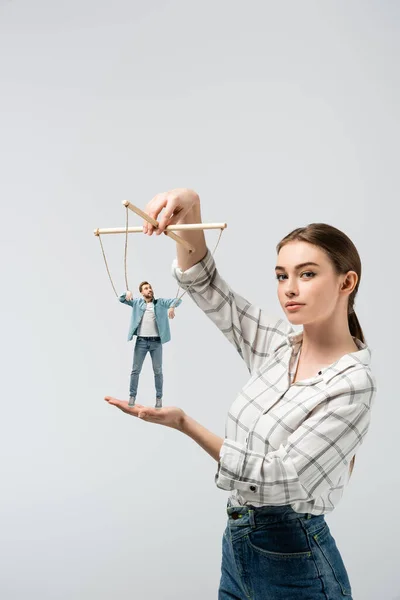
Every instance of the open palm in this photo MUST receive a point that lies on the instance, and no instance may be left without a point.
(170, 416)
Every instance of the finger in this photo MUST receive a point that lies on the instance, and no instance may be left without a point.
(109, 398)
(153, 209)
(112, 400)
(122, 405)
(167, 202)
(150, 208)
(147, 209)
(116, 403)
(150, 227)
(171, 216)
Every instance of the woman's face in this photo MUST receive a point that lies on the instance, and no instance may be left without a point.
(315, 286)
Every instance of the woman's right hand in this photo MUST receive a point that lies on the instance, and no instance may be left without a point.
(176, 204)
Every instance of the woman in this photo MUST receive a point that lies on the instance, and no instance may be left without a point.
(293, 430)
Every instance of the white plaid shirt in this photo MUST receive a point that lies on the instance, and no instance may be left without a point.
(284, 443)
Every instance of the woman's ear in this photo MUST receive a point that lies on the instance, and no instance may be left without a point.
(349, 282)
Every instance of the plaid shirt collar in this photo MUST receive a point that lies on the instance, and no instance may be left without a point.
(363, 356)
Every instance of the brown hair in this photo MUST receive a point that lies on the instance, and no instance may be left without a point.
(142, 284)
(344, 257)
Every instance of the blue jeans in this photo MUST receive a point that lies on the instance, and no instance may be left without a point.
(142, 347)
(274, 553)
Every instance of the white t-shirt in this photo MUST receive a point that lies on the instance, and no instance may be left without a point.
(148, 325)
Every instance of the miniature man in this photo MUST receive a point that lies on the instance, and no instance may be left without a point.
(149, 322)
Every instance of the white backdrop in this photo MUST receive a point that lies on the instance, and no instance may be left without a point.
(278, 114)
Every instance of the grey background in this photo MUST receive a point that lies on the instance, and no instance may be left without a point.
(278, 114)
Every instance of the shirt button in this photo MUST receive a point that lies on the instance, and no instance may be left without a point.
(253, 488)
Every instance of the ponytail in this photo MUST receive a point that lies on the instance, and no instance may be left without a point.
(357, 332)
(355, 327)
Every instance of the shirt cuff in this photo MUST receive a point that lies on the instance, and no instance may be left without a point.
(200, 272)
(229, 465)
(230, 473)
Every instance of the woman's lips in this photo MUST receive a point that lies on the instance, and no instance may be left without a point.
(292, 307)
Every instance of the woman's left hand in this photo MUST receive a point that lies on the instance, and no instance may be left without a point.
(170, 416)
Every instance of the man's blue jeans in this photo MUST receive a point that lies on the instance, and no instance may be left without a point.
(142, 347)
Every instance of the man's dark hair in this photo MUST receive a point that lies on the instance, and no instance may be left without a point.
(142, 284)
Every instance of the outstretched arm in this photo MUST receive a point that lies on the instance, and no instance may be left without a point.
(126, 298)
(254, 332)
(210, 442)
(170, 302)
(304, 466)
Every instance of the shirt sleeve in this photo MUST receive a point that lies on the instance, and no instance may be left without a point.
(314, 455)
(122, 298)
(252, 331)
(170, 302)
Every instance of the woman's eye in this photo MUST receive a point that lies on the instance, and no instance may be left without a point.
(305, 273)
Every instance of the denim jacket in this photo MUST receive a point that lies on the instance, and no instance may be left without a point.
(161, 306)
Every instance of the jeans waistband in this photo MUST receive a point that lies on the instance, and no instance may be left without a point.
(262, 515)
(149, 339)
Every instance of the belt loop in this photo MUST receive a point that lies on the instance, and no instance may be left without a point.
(251, 518)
